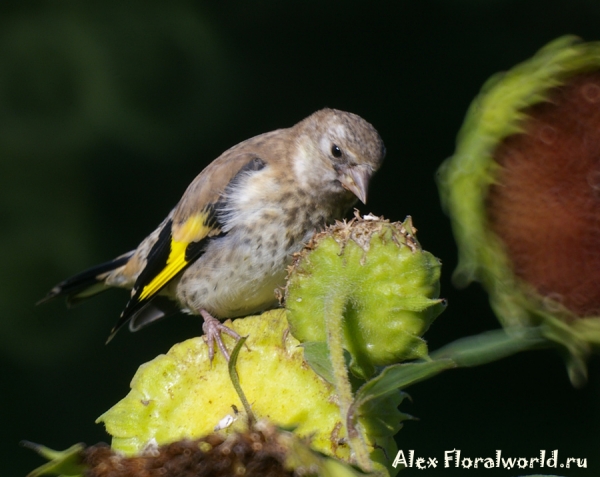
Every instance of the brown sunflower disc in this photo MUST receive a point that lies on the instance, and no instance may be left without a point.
(545, 206)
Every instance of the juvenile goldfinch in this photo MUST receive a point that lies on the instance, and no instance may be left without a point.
(224, 248)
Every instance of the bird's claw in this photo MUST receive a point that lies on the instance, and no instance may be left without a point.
(212, 334)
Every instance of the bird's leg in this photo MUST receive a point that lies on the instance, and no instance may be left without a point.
(212, 334)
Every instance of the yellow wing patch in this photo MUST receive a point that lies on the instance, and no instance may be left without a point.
(192, 230)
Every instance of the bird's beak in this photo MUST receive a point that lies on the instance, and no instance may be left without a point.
(356, 180)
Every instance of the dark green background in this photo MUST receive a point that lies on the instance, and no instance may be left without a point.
(108, 109)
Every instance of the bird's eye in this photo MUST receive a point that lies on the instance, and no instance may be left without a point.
(336, 151)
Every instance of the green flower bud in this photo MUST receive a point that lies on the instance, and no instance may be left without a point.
(522, 190)
(376, 274)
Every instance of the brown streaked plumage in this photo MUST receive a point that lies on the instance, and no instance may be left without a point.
(224, 248)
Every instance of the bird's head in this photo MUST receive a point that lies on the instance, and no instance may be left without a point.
(341, 149)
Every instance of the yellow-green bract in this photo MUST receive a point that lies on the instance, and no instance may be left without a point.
(182, 395)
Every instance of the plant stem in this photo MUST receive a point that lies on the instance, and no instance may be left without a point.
(334, 310)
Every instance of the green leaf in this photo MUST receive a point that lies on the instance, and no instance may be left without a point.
(316, 354)
(65, 463)
(399, 376)
(489, 346)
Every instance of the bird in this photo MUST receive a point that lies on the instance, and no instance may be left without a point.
(224, 249)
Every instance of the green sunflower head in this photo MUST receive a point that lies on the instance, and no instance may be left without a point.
(374, 273)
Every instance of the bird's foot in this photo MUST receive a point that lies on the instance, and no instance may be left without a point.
(212, 334)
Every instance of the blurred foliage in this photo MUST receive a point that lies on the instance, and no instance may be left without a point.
(74, 78)
(109, 109)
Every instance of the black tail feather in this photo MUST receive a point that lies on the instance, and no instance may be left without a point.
(157, 308)
(85, 284)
